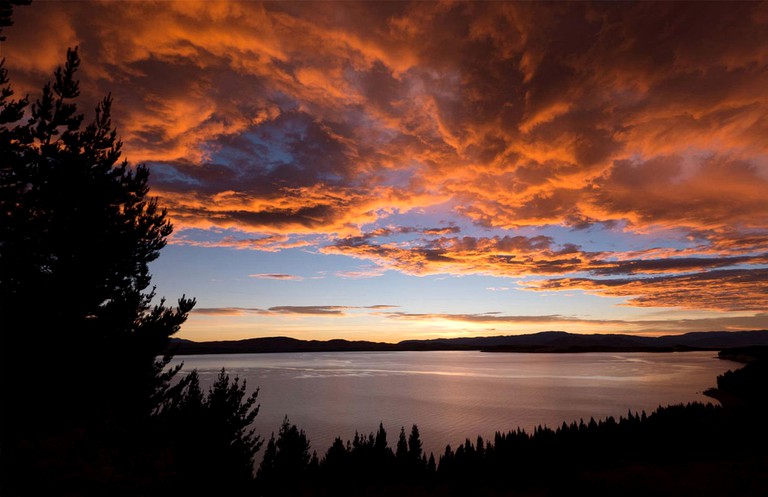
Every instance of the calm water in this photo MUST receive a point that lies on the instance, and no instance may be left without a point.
(456, 395)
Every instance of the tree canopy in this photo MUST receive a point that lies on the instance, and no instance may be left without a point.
(77, 234)
(89, 403)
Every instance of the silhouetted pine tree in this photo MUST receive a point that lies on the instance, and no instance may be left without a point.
(401, 450)
(78, 233)
(212, 444)
(380, 444)
(414, 444)
(286, 462)
(6, 13)
(81, 334)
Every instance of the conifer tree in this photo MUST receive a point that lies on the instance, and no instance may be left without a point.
(380, 444)
(77, 234)
(286, 461)
(401, 450)
(210, 437)
(81, 331)
(414, 444)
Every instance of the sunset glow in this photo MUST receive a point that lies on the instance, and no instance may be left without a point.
(394, 170)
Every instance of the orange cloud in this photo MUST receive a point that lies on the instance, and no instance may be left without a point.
(651, 326)
(509, 256)
(271, 243)
(306, 125)
(720, 290)
(499, 256)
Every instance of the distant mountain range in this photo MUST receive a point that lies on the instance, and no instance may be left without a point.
(547, 341)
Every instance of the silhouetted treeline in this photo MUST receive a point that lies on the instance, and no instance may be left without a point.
(696, 448)
(672, 450)
(744, 389)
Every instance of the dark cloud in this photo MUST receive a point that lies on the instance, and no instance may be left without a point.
(449, 230)
(509, 256)
(721, 290)
(227, 311)
(676, 264)
(493, 317)
(311, 310)
(276, 276)
(321, 310)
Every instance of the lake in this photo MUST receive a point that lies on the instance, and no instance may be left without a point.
(454, 395)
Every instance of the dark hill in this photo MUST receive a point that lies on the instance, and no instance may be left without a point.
(278, 344)
(562, 341)
(548, 341)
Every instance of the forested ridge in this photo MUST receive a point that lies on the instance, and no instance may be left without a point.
(544, 342)
(94, 412)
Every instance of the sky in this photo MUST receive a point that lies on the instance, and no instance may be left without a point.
(395, 170)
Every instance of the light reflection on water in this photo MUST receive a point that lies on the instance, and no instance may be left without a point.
(453, 395)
